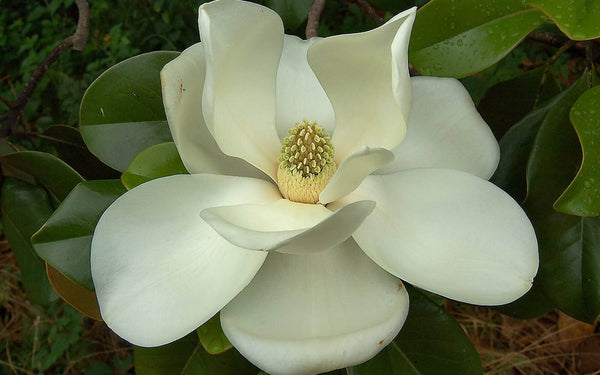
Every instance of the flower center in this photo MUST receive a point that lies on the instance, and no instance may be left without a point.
(306, 163)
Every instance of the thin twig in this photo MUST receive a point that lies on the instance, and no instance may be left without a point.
(77, 41)
(555, 40)
(312, 26)
(589, 59)
(564, 48)
(369, 10)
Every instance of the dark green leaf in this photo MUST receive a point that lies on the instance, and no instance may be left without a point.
(187, 357)
(212, 338)
(569, 245)
(509, 101)
(292, 12)
(47, 169)
(156, 161)
(65, 239)
(430, 343)
(457, 38)
(576, 18)
(122, 112)
(71, 148)
(515, 148)
(532, 305)
(24, 209)
(393, 6)
(582, 197)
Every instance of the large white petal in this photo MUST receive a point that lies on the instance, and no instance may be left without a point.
(366, 78)
(182, 85)
(285, 226)
(449, 232)
(159, 270)
(445, 131)
(353, 171)
(242, 43)
(307, 314)
(299, 93)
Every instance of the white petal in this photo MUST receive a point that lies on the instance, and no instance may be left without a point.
(285, 226)
(445, 131)
(299, 93)
(366, 78)
(182, 86)
(153, 256)
(353, 171)
(243, 43)
(307, 314)
(449, 232)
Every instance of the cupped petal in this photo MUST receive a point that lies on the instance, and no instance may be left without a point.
(449, 232)
(182, 86)
(242, 44)
(285, 226)
(445, 131)
(153, 256)
(307, 314)
(353, 171)
(371, 96)
(299, 93)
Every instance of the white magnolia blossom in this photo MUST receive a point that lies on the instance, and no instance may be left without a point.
(308, 287)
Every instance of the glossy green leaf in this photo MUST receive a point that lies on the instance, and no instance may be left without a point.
(569, 245)
(82, 299)
(292, 12)
(212, 338)
(71, 148)
(515, 148)
(187, 357)
(578, 19)
(156, 161)
(24, 209)
(533, 304)
(582, 197)
(122, 113)
(64, 241)
(430, 343)
(56, 176)
(456, 38)
(507, 102)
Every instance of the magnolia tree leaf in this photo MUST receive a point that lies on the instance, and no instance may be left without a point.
(80, 298)
(24, 209)
(515, 148)
(212, 338)
(51, 172)
(71, 148)
(507, 102)
(533, 304)
(578, 19)
(457, 38)
(156, 161)
(292, 12)
(187, 357)
(569, 245)
(431, 342)
(122, 112)
(582, 197)
(64, 241)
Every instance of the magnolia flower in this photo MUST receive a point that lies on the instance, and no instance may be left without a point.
(320, 174)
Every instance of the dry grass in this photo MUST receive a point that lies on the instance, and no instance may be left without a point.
(551, 344)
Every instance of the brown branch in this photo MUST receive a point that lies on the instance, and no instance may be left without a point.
(77, 41)
(312, 26)
(369, 10)
(556, 40)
